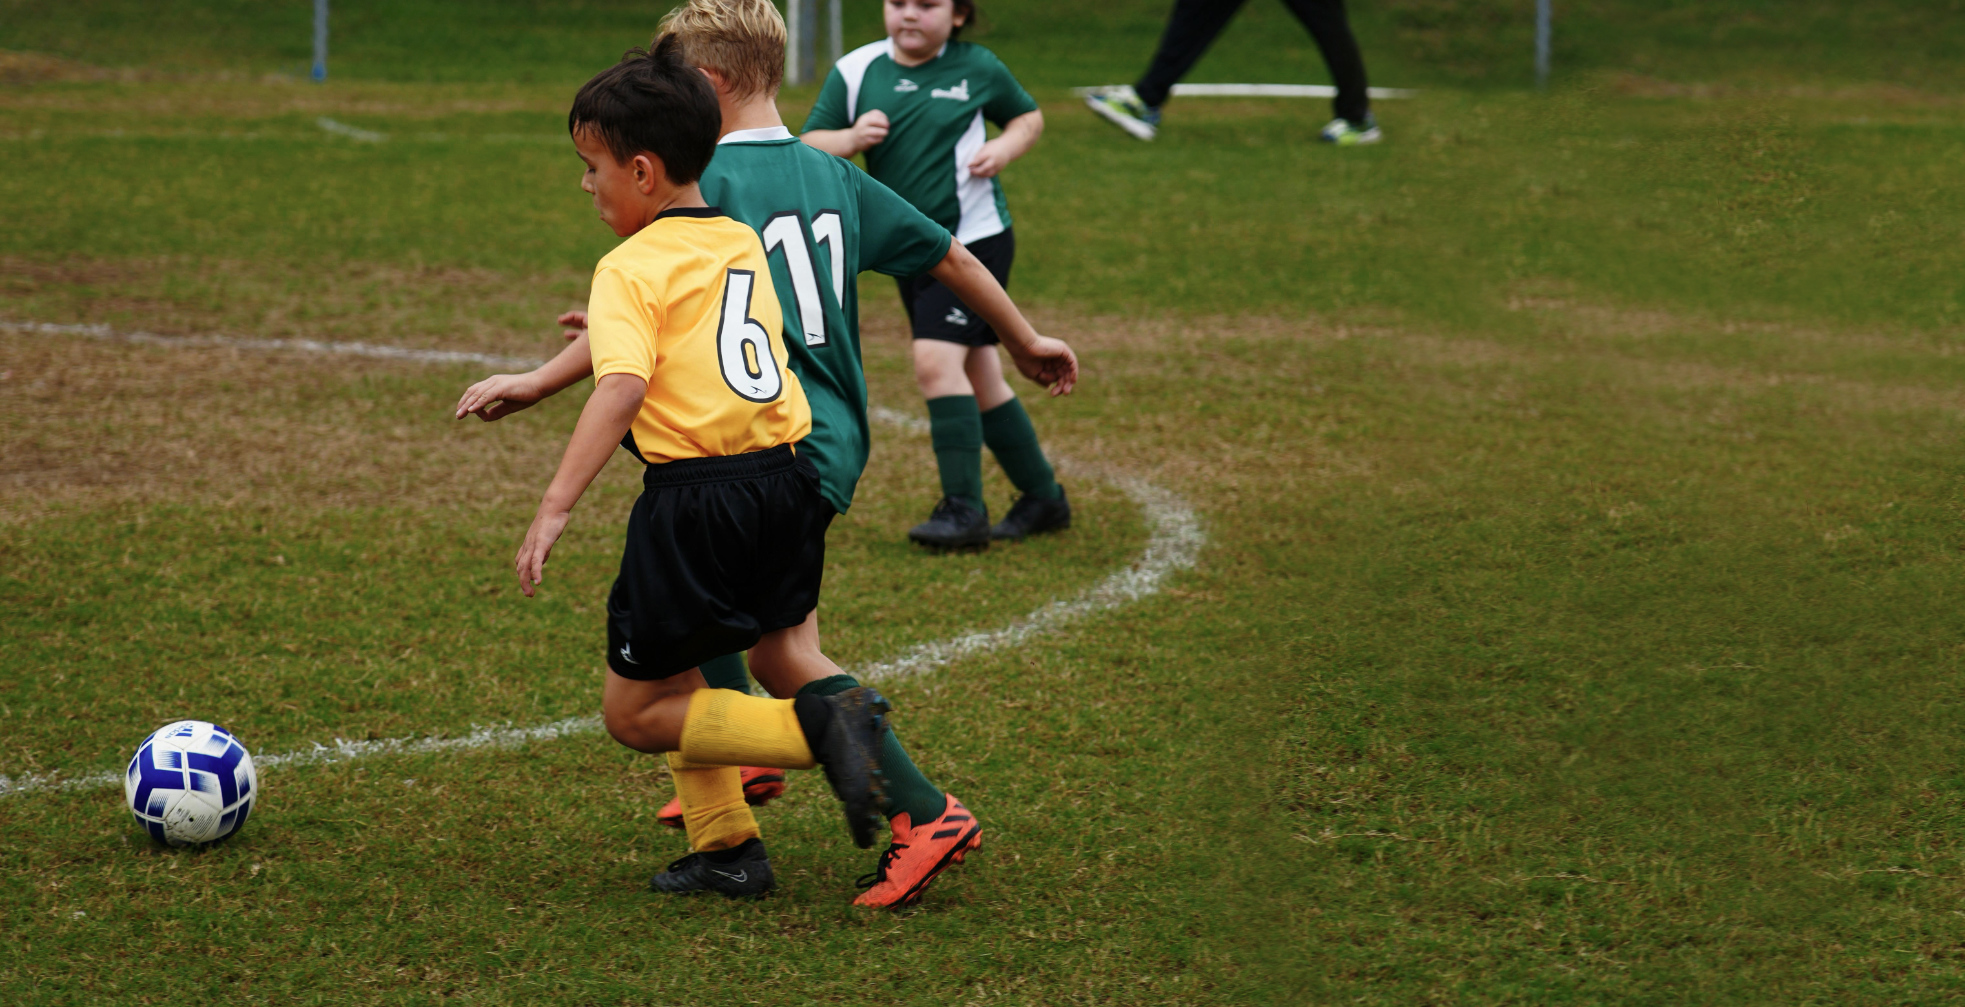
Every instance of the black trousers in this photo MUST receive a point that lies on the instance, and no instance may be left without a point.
(1195, 24)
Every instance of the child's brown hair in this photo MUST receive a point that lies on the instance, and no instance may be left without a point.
(742, 40)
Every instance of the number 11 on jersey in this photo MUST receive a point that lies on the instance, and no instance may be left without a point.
(784, 232)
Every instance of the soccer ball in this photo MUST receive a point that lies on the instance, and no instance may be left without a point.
(190, 783)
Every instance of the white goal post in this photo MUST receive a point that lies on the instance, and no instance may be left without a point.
(802, 48)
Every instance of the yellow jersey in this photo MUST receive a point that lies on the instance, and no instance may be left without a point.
(687, 305)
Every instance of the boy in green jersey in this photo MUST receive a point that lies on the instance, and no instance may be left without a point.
(915, 103)
(822, 221)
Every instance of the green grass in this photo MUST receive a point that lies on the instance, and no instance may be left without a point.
(1581, 470)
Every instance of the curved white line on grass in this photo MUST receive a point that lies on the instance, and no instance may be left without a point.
(1173, 544)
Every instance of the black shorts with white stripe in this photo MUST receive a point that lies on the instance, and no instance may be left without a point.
(935, 312)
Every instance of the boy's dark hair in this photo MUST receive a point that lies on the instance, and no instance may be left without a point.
(966, 8)
(653, 102)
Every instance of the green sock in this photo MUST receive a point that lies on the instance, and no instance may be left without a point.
(1011, 438)
(955, 426)
(907, 790)
(727, 672)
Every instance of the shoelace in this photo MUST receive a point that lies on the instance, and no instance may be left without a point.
(887, 858)
(684, 862)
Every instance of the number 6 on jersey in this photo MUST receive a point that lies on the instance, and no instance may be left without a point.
(743, 348)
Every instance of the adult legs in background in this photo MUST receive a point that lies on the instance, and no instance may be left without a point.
(1330, 27)
(1195, 24)
(1191, 29)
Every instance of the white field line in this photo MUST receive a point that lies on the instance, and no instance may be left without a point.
(1174, 542)
(1267, 91)
(351, 132)
(270, 345)
(341, 751)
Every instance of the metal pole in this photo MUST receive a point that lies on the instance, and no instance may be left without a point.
(808, 41)
(320, 40)
(1542, 43)
(795, 44)
(838, 26)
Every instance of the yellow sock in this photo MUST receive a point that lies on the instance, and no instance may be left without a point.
(726, 727)
(713, 809)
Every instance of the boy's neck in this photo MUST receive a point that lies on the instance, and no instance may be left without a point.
(759, 111)
(905, 58)
(681, 197)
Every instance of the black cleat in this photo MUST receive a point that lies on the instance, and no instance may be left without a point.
(1031, 516)
(848, 749)
(747, 875)
(954, 524)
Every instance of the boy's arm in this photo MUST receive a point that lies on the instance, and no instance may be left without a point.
(501, 395)
(1047, 361)
(1019, 135)
(609, 412)
(865, 132)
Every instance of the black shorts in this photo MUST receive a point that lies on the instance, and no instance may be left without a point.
(720, 551)
(935, 312)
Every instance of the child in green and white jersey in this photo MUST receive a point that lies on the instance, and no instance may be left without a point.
(915, 103)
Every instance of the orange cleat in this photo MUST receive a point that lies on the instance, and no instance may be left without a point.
(761, 785)
(917, 855)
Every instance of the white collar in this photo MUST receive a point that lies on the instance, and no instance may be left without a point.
(758, 135)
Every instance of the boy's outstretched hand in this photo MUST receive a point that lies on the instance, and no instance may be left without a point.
(499, 396)
(1047, 361)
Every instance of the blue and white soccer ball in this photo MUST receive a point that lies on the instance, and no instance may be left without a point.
(190, 783)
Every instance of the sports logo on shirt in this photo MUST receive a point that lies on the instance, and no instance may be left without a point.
(905, 85)
(959, 92)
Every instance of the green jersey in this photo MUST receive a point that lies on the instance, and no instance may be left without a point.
(823, 222)
(935, 114)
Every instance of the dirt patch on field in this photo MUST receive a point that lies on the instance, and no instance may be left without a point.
(477, 310)
(40, 68)
(95, 422)
(92, 424)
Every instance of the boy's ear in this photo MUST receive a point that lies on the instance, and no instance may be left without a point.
(648, 170)
(716, 80)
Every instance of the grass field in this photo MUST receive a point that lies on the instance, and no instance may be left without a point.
(1581, 475)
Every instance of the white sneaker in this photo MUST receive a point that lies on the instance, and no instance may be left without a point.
(1120, 106)
(1346, 133)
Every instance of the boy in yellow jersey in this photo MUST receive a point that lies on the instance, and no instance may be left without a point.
(763, 176)
(726, 545)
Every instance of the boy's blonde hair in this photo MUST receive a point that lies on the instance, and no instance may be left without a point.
(742, 40)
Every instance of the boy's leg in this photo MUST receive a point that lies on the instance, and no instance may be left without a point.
(757, 785)
(906, 790)
(754, 785)
(726, 672)
(713, 808)
(1007, 430)
(931, 829)
(955, 428)
(1331, 30)
(1190, 30)
(960, 519)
